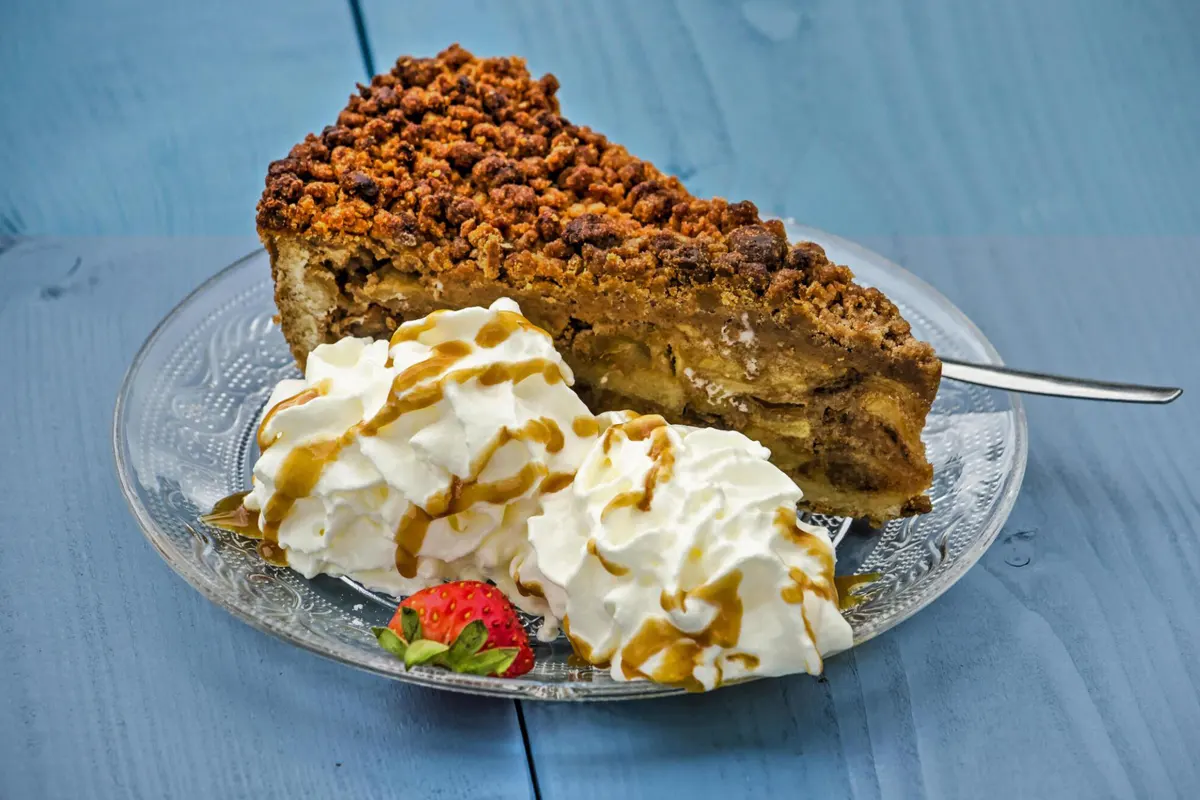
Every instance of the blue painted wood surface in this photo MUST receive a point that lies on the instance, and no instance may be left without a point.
(128, 117)
(1034, 160)
(116, 679)
(119, 680)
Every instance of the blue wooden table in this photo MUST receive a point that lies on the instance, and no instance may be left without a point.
(1036, 160)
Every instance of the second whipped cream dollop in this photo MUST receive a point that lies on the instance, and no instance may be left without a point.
(676, 556)
(403, 464)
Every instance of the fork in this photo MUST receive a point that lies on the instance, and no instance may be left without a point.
(1054, 385)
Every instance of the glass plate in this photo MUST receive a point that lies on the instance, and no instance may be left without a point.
(183, 432)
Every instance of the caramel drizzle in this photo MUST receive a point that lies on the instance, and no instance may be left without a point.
(660, 471)
(303, 467)
(846, 584)
(503, 326)
(823, 585)
(748, 661)
(444, 356)
(230, 514)
(585, 426)
(635, 430)
(681, 651)
(638, 428)
(548, 433)
(298, 476)
(530, 589)
(311, 393)
(462, 494)
(272, 553)
(610, 567)
(583, 649)
(410, 535)
(556, 482)
(488, 375)
(411, 331)
(297, 471)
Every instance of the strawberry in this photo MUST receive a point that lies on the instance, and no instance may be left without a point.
(466, 626)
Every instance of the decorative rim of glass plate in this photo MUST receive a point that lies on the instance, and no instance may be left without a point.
(183, 437)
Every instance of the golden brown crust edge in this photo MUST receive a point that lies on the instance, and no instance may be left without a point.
(453, 173)
(470, 162)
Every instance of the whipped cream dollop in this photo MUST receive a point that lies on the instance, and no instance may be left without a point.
(676, 556)
(405, 463)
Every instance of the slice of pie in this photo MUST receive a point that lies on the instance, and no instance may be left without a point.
(454, 181)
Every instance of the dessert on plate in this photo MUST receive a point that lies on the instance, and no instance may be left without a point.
(455, 181)
(538, 371)
(409, 462)
(675, 555)
(457, 452)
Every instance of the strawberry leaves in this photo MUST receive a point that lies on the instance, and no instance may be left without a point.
(410, 623)
(489, 662)
(400, 648)
(470, 640)
(390, 641)
(424, 651)
(464, 655)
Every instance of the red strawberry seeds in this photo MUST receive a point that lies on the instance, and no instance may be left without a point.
(437, 625)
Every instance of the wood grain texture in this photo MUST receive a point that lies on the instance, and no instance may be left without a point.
(873, 118)
(1033, 161)
(135, 117)
(111, 664)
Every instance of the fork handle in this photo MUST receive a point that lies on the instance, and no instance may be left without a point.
(1055, 385)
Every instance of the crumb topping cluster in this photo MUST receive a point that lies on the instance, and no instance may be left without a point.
(473, 156)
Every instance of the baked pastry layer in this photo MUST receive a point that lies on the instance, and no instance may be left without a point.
(454, 181)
